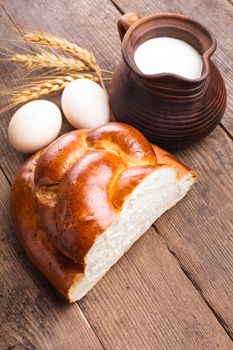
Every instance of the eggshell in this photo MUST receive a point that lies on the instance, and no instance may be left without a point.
(34, 126)
(85, 104)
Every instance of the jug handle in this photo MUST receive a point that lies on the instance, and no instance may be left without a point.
(125, 22)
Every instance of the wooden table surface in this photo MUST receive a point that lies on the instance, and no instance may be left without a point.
(174, 288)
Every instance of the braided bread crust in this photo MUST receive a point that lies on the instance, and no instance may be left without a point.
(67, 195)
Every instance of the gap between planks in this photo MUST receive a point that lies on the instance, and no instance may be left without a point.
(77, 306)
(9, 182)
(182, 267)
(85, 319)
(5, 175)
(122, 12)
(195, 284)
(226, 131)
(10, 18)
(119, 9)
(185, 271)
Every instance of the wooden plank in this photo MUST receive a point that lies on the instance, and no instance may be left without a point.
(176, 322)
(69, 19)
(33, 315)
(217, 16)
(147, 302)
(199, 230)
(9, 159)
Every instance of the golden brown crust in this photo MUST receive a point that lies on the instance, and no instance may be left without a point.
(59, 156)
(128, 142)
(163, 157)
(87, 211)
(73, 190)
(57, 268)
(129, 179)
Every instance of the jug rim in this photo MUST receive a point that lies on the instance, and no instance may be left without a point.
(129, 60)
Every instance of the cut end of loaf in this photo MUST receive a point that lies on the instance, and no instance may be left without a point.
(88, 197)
(157, 193)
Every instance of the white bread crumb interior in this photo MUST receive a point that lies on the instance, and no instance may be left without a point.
(157, 193)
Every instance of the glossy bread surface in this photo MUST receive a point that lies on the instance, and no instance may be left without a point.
(74, 189)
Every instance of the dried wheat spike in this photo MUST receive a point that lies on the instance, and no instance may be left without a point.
(46, 59)
(47, 87)
(65, 45)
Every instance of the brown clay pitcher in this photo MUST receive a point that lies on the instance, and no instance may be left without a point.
(170, 110)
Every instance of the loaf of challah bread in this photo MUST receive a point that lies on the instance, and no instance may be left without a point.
(79, 204)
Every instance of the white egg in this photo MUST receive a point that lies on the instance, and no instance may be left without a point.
(34, 126)
(85, 104)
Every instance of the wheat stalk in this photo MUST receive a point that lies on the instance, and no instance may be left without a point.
(63, 44)
(46, 59)
(54, 41)
(47, 87)
(77, 67)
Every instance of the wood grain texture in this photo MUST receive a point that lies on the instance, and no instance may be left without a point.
(33, 315)
(75, 21)
(147, 302)
(200, 229)
(9, 159)
(217, 16)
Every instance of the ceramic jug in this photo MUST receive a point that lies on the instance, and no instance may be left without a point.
(170, 110)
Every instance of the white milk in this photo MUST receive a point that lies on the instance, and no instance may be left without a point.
(168, 55)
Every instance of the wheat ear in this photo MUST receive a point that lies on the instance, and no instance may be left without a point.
(46, 59)
(48, 87)
(63, 44)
